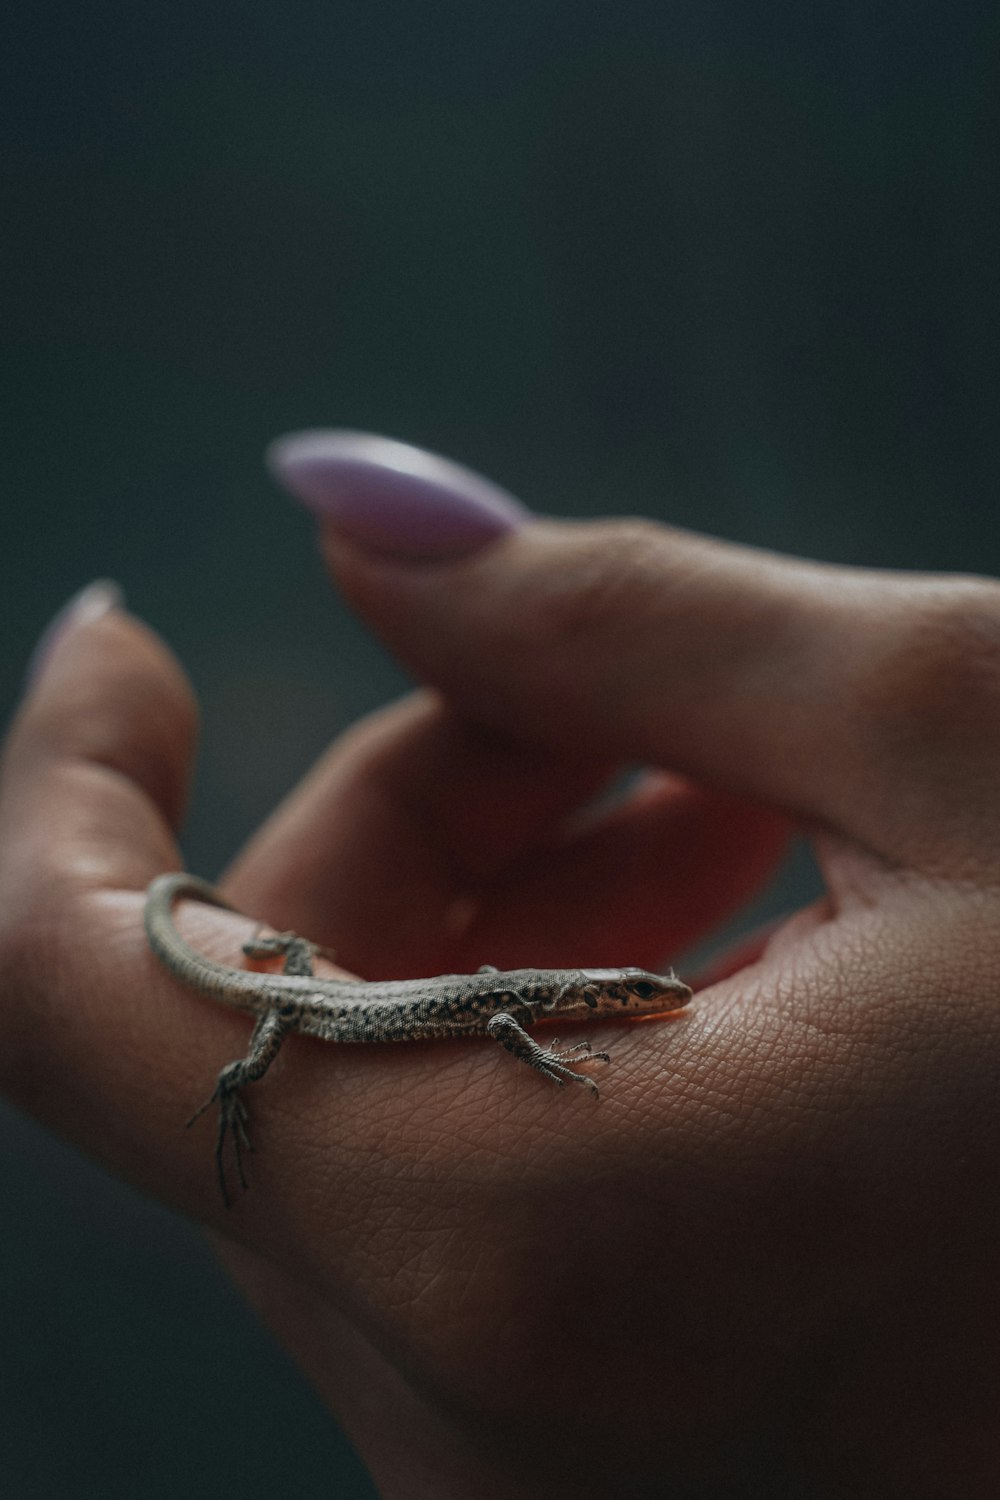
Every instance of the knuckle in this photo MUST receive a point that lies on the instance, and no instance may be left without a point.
(938, 669)
(614, 573)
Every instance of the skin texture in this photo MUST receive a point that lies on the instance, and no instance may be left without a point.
(765, 1263)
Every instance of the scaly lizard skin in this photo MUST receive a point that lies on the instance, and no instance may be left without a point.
(498, 1004)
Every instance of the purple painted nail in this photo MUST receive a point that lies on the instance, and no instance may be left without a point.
(391, 497)
(89, 604)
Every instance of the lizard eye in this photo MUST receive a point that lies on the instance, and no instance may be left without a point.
(643, 989)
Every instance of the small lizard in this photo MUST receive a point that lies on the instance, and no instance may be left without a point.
(400, 1010)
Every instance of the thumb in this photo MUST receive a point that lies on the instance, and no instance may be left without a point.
(97, 758)
(843, 695)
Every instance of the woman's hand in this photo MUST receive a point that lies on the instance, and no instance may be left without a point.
(766, 1258)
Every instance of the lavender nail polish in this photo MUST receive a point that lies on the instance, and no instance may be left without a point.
(391, 497)
(93, 601)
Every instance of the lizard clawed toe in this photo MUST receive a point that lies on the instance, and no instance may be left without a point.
(552, 1062)
(232, 1120)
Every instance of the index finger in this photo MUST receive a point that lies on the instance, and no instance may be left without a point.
(869, 701)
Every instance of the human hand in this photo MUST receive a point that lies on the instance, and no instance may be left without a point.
(801, 1208)
(388, 1219)
(501, 1292)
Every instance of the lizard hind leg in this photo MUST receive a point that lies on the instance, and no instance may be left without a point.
(299, 952)
(232, 1120)
(265, 1043)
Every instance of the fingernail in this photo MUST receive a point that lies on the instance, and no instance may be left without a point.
(391, 497)
(97, 599)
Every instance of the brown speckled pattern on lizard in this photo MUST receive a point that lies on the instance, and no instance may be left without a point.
(498, 1004)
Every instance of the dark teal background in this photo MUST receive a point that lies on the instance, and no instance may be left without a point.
(734, 265)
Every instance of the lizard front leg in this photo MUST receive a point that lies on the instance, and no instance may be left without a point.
(550, 1061)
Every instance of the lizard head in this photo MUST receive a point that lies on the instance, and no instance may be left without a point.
(631, 992)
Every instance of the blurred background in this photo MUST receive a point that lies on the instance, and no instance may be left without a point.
(730, 264)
